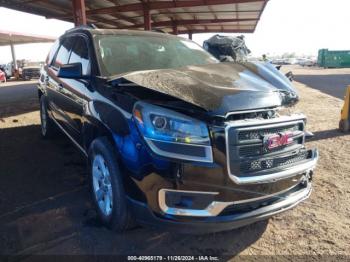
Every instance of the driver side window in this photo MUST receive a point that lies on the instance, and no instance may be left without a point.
(80, 54)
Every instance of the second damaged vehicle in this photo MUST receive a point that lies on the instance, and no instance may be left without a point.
(173, 137)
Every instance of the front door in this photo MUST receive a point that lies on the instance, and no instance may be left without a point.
(75, 93)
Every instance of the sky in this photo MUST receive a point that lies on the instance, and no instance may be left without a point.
(286, 26)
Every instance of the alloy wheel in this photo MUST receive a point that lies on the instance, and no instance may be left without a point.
(102, 186)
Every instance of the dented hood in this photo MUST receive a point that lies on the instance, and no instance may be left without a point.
(217, 88)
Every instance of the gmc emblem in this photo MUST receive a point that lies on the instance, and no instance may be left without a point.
(277, 140)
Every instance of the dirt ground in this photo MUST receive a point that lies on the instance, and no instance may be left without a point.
(45, 207)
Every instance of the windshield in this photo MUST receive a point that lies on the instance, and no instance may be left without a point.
(126, 53)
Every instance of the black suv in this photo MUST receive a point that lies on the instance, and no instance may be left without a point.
(173, 137)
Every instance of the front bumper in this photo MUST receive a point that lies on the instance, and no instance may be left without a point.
(208, 197)
(181, 224)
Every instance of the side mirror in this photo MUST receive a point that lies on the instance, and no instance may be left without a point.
(71, 71)
(290, 76)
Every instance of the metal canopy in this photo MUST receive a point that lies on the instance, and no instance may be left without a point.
(172, 16)
(8, 38)
(13, 38)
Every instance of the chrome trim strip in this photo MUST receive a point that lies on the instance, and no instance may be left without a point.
(155, 149)
(245, 201)
(189, 191)
(216, 207)
(257, 122)
(249, 111)
(212, 209)
(279, 207)
(69, 136)
(262, 124)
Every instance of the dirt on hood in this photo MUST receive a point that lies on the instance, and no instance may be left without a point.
(217, 88)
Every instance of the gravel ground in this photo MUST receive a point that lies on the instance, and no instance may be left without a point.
(329, 81)
(45, 207)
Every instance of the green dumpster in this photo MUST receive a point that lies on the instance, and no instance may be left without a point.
(333, 59)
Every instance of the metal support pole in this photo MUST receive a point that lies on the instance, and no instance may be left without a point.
(190, 35)
(175, 31)
(147, 19)
(13, 56)
(79, 12)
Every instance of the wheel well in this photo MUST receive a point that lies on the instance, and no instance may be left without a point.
(91, 132)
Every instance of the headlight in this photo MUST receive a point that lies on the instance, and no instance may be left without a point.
(172, 134)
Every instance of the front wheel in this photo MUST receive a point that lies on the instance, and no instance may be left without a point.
(106, 186)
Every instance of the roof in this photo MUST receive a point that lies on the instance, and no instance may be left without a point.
(115, 31)
(6, 38)
(189, 16)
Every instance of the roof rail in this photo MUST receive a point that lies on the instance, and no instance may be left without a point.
(159, 30)
(88, 26)
(92, 25)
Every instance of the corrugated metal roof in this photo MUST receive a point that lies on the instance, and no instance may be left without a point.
(191, 16)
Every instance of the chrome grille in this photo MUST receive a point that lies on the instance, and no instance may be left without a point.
(257, 134)
(256, 150)
(248, 155)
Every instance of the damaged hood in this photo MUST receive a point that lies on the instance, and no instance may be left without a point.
(217, 88)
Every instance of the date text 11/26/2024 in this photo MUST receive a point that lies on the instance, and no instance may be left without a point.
(173, 258)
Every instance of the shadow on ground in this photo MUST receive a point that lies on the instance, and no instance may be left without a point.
(23, 95)
(326, 134)
(20, 108)
(334, 85)
(45, 208)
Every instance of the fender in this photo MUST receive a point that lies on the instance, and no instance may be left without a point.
(112, 123)
(102, 119)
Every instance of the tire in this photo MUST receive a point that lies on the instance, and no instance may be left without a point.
(48, 128)
(106, 186)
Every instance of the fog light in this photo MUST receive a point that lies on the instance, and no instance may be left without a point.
(255, 165)
(269, 163)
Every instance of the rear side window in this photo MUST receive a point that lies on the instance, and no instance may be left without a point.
(80, 54)
(63, 53)
(52, 52)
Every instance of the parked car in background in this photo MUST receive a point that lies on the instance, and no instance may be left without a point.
(281, 61)
(9, 70)
(2, 76)
(307, 62)
(174, 138)
(30, 70)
